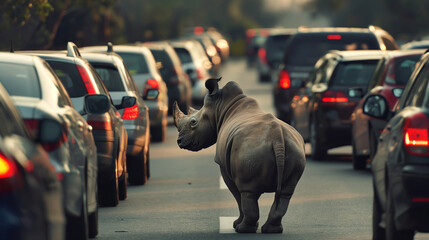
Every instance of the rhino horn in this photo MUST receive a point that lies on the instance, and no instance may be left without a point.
(177, 113)
(212, 86)
(191, 110)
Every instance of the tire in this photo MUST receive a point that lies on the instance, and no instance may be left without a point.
(93, 224)
(391, 232)
(108, 193)
(373, 143)
(359, 161)
(318, 150)
(122, 181)
(148, 164)
(77, 227)
(158, 133)
(137, 173)
(378, 233)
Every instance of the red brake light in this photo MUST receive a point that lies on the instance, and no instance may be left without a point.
(199, 75)
(86, 80)
(131, 112)
(52, 146)
(100, 122)
(151, 84)
(334, 37)
(262, 53)
(334, 97)
(7, 167)
(416, 138)
(284, 79)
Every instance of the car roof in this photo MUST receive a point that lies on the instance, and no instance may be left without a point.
(102, 57)
(404, 52)
(18, 58)
(356, 55)
(304, 30)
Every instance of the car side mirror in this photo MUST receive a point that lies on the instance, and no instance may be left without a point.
(97, 103)
(151, 94)
(50, 131)
(126, 102)
(376, 106)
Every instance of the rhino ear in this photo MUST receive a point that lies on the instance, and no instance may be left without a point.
(177, 113)
(212, 86)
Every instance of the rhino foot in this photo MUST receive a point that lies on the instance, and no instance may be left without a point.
(244, 228)
(268, 228)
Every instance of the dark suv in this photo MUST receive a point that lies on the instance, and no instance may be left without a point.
(308, 45)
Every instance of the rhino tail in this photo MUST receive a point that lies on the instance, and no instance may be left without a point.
(279, 153)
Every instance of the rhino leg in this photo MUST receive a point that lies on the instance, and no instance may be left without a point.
(249, 205)
(233, 189)
(278, 210)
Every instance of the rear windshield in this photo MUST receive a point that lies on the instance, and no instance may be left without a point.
(136, 63)
(353, 73)
(400, 71)
(184, 55)
(306, 49)
(167, 69)
(70, 78)
(275, 47)
(110, 76)
(20, 80)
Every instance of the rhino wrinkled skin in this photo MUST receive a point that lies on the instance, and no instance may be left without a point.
(256, 152)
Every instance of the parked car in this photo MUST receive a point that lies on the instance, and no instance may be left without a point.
(194, 63)
(178, 83)
(400, 167)
(29, 188)
(39, 94)
(307, 46)
(422, 44)
(220, 43)
(80, 79)
(143, 69)
(211, 52)
(270, 53)
(390, 77)
(321, 111)
(120, 85)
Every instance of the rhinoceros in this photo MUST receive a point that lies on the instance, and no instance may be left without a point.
(256, 152)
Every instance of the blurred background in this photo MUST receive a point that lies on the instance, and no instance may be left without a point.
(50, 24)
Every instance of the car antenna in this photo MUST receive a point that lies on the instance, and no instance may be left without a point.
(109, 47)
(11, 46)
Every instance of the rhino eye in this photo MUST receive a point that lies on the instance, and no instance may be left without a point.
(193, 122)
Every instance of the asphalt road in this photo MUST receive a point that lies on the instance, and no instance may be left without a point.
(185, 197)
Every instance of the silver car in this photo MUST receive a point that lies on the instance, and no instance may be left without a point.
(144, 71)
(39, 94)
(116, 78)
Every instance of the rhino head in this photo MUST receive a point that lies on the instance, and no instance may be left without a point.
(197, 129)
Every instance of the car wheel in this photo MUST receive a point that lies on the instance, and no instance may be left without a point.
(137, 174)
(391, 231)
(77, 227)
(93, 223)
(318, 150)
(122, 182)
(378, 233)
(373, 142)
(359, 161)
(108, 193)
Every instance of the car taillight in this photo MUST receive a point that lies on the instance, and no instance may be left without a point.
(199, 74)
(284, 79)
(8, 174)
(32, 126)
(262, 53)
(416, 138)
(52, 146)
(131, 112)
(334, 37)
(86, 80)
(101, 122)
(334, 97)
(151, 84)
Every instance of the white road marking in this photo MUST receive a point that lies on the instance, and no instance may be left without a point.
(226, 224)
(222, 184)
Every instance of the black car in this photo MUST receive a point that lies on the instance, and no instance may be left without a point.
(322, 110)
(400, 167)
(307, 45)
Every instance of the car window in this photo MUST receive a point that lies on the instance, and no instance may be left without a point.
(136, 63)
(306, 49)
(184, 55)
(11, 122)
(417, 92)
(378, 72)
(353, 73)
(167, 67)
(110, 76)
(399, 71)
(63, 96)
(70, 78)
(20, 80)
(275, 46)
